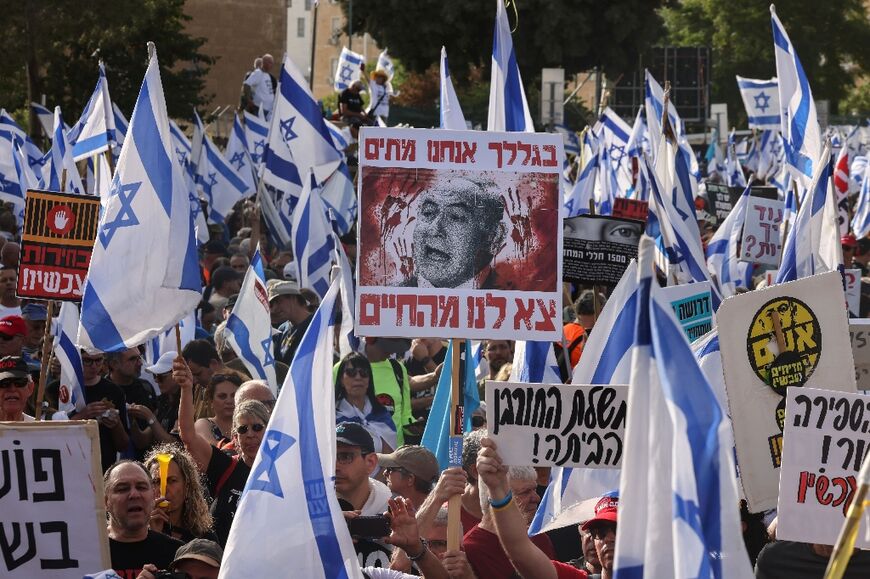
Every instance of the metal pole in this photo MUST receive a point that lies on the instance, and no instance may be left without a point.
(313, 45)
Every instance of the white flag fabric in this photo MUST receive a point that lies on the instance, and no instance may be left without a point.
(348, 69)
(861, 221)
(10, 129)
(313, 240)
(145, 238)
(238, 155)
(182, 155)
(45, 117)
(65, 328)
(576, 201)
(121, 124)
(798, 120)
(95, 130)
(761, 99)
(257, 133)
(677, 490)
(249, 327)
(220, 182)
(450, 111)
(385, 63)
(291, 478)
(615, 162)
(508, 108)
(62, 160)
(722, 256)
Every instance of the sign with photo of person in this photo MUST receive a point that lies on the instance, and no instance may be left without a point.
(597, 249)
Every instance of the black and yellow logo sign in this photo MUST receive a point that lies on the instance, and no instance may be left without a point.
(784, 343)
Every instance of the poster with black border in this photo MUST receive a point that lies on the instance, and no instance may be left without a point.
(597, 249)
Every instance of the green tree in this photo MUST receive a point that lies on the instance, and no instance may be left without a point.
(832, 40)
(52, 47)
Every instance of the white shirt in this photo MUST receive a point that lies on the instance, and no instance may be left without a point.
(4, 311)
(380, 96)
(261, 85)
(376, 503)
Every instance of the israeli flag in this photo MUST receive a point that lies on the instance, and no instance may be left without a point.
(569, 138)
(535, 362)
(684, 523)
(861, 220)
(238, 156)
(798, 121)
(813, 242)
(616, 163)
(313, 240)
(257, 135)
(606, 359)
(45, 117)
(221, 184)
(121, 124)
(385, 63)
(347, 340)
(27, 179)
(16, 177)
(146, 231)
(761, 99)
(298, 129)
(182, 151)
(577, 200)
(9, 129)
(348, 69)
(291, 478)
(62, 160)
(166, 342)
(65, 328)
(508, 108)
(722, 256)
(95, 130)
(654, 103)
(249, 327)
(339, 197)
(450, 110)
(734, 176)
(338, 139)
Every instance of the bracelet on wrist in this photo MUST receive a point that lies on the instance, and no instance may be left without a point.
(499, 505)
(425, 547)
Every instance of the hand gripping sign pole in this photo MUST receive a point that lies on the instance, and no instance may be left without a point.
(457, 420)
(849, 531)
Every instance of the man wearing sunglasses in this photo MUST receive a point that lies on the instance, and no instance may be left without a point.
(411, 471)
(16, 387)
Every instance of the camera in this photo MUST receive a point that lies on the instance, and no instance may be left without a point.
(171, 575)
(374, 527)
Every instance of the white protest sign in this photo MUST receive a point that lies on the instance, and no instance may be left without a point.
(859, 332)
(853, 291)
(761, 240)
(693, 307)
(792, 334)
(53, 512)
(557, 424)
(825, 441)
(459, 234)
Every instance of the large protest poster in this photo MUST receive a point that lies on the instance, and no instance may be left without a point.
(693, 306)
(459, 234)
(825, 441)
(597, 249)
(790, 335)
(557, 424)
(761, 241)
(720, 200)
(56, 244)
(859, 332)
(51, 499)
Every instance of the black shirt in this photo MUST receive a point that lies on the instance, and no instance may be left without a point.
(352, 100)
(129, 558)
(793, 560)
(105, 390)
(226, 489)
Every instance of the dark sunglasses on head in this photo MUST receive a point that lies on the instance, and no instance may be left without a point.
(354, 372)
(13, 384)
(243, 429)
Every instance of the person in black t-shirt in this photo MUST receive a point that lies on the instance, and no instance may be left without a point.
(351, 104)
(125, 367)
(129, 500)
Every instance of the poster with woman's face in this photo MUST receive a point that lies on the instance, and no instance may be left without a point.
(597, 249)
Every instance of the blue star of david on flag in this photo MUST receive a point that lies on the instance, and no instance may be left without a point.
(182, 156)
(212, 180)
(762, 101)
(238, 160)
(617, 152)
(287, 132)
(195, 205)
(4, 183)
(125, 216)
(268, 358)
(346, 73)
(265, 477)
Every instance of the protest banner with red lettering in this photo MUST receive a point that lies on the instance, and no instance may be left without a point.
(826, 437)
(567, 425)
(597, 249)
(56, 244)
(54, 515)
(789, 335)
(459, 234)
(630, 209)
(761, 241)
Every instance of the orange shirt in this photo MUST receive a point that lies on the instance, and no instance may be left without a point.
(573, 331)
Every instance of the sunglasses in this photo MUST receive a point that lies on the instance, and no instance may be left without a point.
(244, 428)
(92, 361)
(391, 469)
(13, 384)
(356, 372)
(601, 531)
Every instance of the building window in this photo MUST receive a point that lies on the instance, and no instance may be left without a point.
(336, 26)
(300, 27)
(308, 4)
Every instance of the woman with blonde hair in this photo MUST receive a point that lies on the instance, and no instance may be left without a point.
(185, 515)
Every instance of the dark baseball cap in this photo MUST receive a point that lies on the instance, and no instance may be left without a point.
(13, 367)
(215, 247)
(353, 434)
(201, 550)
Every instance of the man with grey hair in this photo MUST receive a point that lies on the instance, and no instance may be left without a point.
(459, 232)
(258, 91)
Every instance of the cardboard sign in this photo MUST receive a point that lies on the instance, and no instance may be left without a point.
(761, 241)
(693, 306)
(557, 424)
(597, 249)
(56, 244)
(827, 436)
(630, 209)
(790, 335)
(853, 291)
(54, 516)
(720, 200)
(859, 332)
(459, 234)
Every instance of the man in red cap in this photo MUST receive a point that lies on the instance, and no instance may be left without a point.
(602, 527)
(12, 332)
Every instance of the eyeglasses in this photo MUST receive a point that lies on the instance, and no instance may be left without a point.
(354, 372)
(348, 457)
(13, 384)
(91, 361)
(257, 427)
(600, 532)
(391, 469)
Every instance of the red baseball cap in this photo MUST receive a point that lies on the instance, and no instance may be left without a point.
(849, 240)
(13, 326)
(605, 512)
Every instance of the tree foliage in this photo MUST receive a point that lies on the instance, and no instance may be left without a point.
(572, 34)
(832, 40)
(60, 42)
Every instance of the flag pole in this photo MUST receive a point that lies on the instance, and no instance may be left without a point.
(849, 531)
(46, 351)
(177, 339)
(454, 503)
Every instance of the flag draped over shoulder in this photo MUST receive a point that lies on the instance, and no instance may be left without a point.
(451, 116)
(508, 108)
(144, 274)
(289, 508)
(677, 487)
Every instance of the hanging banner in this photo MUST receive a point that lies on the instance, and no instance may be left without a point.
(459, 234)
(693, 306)
(598, 249)
(557, 424)
(790, 335)
(54, 516)
(826, 439)
(56, 244)
(761, 239)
